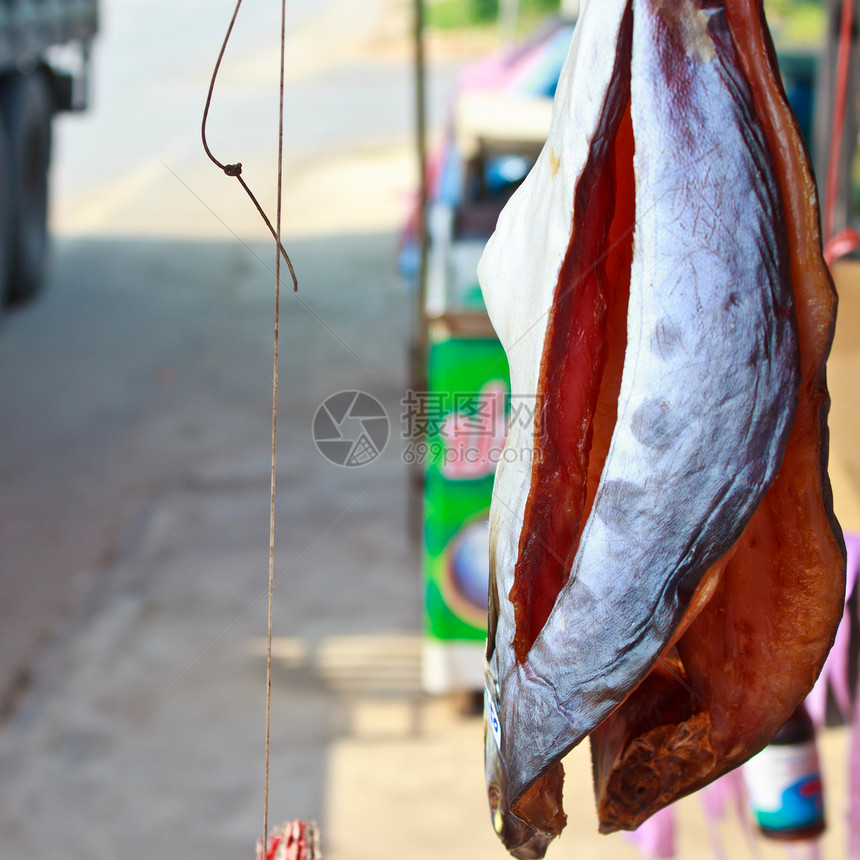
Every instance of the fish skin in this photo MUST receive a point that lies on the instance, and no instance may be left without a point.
(708, 392)
(748, 655)
(520, 322)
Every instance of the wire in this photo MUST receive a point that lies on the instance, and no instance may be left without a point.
(235, 169)
(278, 248)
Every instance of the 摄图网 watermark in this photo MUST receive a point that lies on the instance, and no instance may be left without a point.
(462, 433)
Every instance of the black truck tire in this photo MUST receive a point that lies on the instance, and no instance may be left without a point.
(27, 105)
(5, 218)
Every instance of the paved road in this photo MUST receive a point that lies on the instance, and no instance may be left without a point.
(135, 438)
(153, 453)
(104, 382)
(349, 86)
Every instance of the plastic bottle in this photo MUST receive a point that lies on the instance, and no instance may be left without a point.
(784, 782)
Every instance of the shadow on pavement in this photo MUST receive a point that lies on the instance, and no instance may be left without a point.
(135, 436)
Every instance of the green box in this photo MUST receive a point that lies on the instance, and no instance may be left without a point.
(465, 416)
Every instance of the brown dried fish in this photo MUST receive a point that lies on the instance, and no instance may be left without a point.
(667, 573)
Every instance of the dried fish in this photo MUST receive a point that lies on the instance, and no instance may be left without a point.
(663, 527)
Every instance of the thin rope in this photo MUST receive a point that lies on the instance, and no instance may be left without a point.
(235, 169)
(278, 249)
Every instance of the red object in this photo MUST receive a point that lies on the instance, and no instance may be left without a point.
(843, 243)
(842, 70)
(293, 840)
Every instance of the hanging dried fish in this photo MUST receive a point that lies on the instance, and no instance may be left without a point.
(667, 573)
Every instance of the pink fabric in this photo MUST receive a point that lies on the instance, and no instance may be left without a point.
(496, 73)
(504, 70)
(854, 788)
(835, 679)
(834, 675)
(723, 797)
(805, 850)
(656, 837)
(852, 545)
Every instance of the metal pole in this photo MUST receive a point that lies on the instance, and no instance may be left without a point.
(423, 191)
(419, 350)
(824, 110)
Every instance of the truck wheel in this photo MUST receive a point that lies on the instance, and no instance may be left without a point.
(27, 105)
(5, 218)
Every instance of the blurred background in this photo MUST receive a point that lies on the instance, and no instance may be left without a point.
(135, 411)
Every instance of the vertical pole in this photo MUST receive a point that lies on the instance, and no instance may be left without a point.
(423, 191)
(509, 13)
(836, 200)
(420, 342)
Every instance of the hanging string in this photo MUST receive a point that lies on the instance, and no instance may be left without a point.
(278, 250)
(235, 170)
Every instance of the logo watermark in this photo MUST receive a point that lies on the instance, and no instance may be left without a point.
(351, 428)
(462, 433)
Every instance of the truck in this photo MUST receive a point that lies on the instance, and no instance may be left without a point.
(44, 69)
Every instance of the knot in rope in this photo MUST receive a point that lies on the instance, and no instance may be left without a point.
(233, 169)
